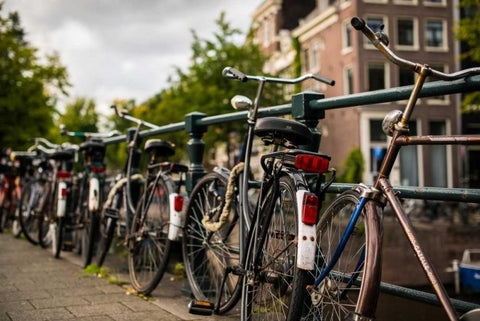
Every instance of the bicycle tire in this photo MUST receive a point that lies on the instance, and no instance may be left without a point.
(148, 243)
(107, 227)
(89, 234)
(28, 216)
(58, 236)
(46, 229)
(335, 298)
(271, 286)
(206, 255)
(107, 231)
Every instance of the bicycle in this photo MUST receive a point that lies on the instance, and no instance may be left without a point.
(89, 192)
(44, 200)
(347, 275)
(260, 254)
(150, 218)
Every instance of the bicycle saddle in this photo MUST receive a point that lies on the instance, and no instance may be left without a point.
(159, 147)
(92, 145)
(271, 128)
(62, 155)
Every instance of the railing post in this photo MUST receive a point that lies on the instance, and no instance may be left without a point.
(195, 148)
(302, 112)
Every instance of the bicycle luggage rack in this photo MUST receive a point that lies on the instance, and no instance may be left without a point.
(309, 107)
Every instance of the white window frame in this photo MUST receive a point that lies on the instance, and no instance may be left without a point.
(376, 1)
(427, 3)
(433, 100)
(346, 28)
(406, 2)
(444, 47)
(345, 80)
(314, 56)
(266, 32)
(386, 72)
(366, 43)
(415, 46)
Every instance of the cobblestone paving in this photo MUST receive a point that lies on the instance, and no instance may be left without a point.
(35, 286)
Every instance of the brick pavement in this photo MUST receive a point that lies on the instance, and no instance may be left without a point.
(35, 286)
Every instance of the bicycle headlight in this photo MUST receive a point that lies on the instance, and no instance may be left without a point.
(390, 120)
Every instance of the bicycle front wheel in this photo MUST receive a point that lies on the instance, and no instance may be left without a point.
(337, 296)
(28, 215)
(58, 233)
(210, 256)
(273, 277)
(148, 243)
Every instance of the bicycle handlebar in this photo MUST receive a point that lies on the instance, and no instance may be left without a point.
(64, 132)
(44, 141)
(360, 25)
(232, 73)
(125, 115)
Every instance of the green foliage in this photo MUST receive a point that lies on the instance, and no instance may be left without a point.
(468, 31)
(352, 167)
(202, 88)
(297, 62)
(29, 89)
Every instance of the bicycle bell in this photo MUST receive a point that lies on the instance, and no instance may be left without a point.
(390, 120)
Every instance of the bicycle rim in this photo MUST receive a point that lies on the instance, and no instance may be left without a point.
(337, 296)
(272, 282)
(149, 246)
(207, 255)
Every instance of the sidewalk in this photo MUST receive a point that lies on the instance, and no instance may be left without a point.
(35, 286)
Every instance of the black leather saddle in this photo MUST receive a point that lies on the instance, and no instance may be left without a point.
(62, 155)
(93, 149)
(159, 148)
(273, 128)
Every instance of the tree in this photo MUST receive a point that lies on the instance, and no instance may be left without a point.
(28, 89)
(202, 88)
(468, 31)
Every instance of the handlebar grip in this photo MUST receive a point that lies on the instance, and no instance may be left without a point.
(358, 23)
(325, 80)
(230, 72)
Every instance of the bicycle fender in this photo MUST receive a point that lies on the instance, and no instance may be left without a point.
(94, 194)
(61, 199)
(306, 238)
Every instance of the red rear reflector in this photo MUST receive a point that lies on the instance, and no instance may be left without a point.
(310, 208)
(311, 163)
(64, 192)
(178, 203)
(98, 169)
(64, 174)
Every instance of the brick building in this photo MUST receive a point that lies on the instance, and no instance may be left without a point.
(419, 30)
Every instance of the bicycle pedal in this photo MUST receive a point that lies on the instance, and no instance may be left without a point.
(200, 307)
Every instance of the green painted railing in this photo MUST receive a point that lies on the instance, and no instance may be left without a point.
(309, 107)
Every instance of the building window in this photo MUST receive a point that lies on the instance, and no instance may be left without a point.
(315, 56)
(406, 2)
(376, 76)
(438, 156)
(406, 77)
(406, 32)
(266, 33)
(376, 24)
(435, 33)
(409, 160)
(378, 146)
(435, 2)
(306, 59)
(347, 35)
(348, 76)
(441, 68)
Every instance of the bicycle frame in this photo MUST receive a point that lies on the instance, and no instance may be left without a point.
(382, 187)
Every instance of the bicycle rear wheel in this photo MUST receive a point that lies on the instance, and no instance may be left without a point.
(337, 296)
(208, 255)
(273, 277)
(58, 233)
(148, 243)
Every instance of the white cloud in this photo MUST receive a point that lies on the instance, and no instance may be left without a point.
(123, 49)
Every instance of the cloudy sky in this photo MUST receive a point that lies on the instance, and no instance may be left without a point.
(123, 48)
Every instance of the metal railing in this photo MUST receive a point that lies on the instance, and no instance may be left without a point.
(309, 107)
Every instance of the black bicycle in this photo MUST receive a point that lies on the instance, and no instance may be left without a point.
(260, 253)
